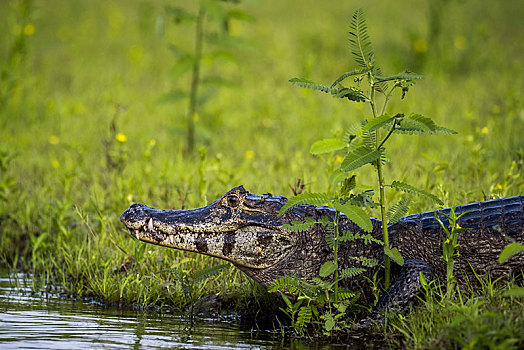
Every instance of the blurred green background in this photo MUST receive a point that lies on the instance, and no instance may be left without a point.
(94, 103)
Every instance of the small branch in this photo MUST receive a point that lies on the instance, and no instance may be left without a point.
(388, 135)
(387, 98)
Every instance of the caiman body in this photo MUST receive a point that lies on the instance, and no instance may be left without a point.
(246, 230)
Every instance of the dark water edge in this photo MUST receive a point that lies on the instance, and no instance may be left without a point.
(48, 321)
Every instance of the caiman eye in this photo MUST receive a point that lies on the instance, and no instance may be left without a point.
(233, 200)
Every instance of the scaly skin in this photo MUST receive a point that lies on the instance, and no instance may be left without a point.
(244, 229)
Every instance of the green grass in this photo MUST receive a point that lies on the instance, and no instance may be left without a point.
(90, 64)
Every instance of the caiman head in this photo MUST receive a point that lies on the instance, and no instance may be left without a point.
(240, 227)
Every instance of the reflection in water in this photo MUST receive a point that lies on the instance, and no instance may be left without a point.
(36, 321)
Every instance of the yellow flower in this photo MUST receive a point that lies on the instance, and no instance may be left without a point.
(460, 43)
(447, 241)
(130, 198)
(152, 142)
(29, 29)
(420, 45)
(484, 130)
(457, 226)
(250, 154)
(54, 140)
(339, 158)
(121, 137)
(499, 186)
(55, 164)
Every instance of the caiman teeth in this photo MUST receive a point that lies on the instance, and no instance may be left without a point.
(150, 224)
(137, 235)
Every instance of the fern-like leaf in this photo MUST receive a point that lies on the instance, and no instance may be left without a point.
(305, 198)
(288, 283)
(349, 74)
(400, 76)
(346, 294)
(299, 226)
(440, 130)
(309, 84)
(351, 93)
(359, 41)
(398, 210)
(382, 86)
(359, 157)
(348, 236)
(378, 122)
(421, 122)
(365, 261)
(355, 214)
(303, 319)
(351, 272)
(404, 187)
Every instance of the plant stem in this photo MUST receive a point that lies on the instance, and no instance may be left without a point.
(195, 79)
(382, 196)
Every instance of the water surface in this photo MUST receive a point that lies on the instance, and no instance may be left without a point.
(37, 321)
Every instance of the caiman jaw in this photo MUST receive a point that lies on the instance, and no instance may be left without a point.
(253, 245)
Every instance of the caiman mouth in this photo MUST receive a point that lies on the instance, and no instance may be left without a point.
(254, 245)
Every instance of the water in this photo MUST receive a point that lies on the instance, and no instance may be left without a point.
(35, 321)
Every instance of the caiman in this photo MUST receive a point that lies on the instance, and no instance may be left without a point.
(245, 229)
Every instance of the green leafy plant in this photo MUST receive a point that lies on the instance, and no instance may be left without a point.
(367, 144)
(361, 145)
(450, 245)
(217, 36)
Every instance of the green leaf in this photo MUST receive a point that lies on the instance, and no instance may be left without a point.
(349, 74)
(304, 318)
(404, 187)
(338, 176)
(348, 236)
(299, 226)
(355, 214)
(368, 262)
(327, 268)
(398, 210)
(309, 84)
(305, 198)
(400, 76)
(351, 94)
(326, 145)
(351, 272)
(329, 324)
(419, 124)
(378, 122)
(420, 121)
(509, 251)
(440, 130)
(394, 254)
(359, 41)
(359, 157)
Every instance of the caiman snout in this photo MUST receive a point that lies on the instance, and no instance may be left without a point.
(135, 213)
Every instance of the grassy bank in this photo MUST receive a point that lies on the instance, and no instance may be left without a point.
(91, 120)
